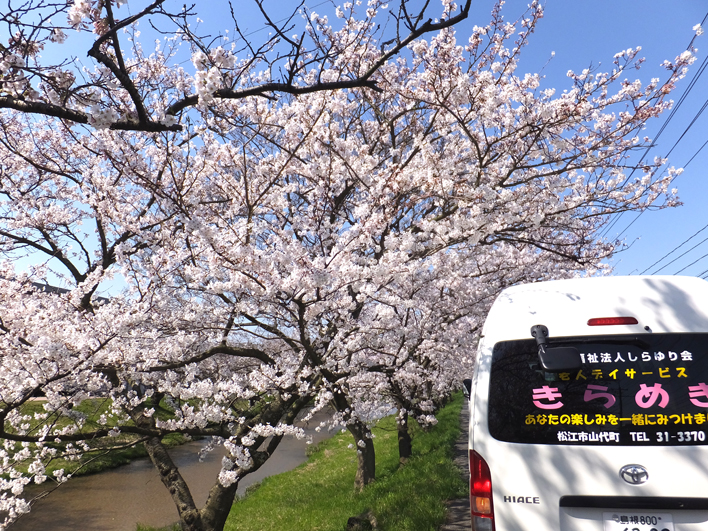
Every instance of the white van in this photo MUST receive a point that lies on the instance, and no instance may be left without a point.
(598, 419)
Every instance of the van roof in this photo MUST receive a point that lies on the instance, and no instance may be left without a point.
(661, 303)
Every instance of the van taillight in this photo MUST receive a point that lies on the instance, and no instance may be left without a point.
(481, 494)
(609, 321)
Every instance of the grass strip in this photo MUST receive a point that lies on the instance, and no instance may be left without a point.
(319, 495)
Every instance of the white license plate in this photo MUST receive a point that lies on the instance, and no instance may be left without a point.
(637, 521)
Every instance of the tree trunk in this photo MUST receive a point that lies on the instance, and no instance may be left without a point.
(212, 517)
(189, 516)
(366, 458)
(218, 506)
(366, 462)
(405, 443)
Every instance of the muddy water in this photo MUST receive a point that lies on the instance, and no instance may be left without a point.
(116, 500)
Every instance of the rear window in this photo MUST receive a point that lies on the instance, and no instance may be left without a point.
(646, 390)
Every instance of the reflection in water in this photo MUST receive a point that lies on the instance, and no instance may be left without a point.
(116, 500)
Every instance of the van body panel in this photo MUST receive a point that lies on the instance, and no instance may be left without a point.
(529, 481)
(665, 304)
(583, 519)
(535, 485)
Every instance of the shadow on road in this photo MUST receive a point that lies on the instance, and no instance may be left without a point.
(458, 511)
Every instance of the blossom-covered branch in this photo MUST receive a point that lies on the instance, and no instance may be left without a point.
(319, 223)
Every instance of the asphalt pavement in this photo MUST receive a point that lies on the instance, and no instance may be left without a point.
(458, 511)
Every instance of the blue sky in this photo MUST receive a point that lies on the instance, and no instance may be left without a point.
(584, 33)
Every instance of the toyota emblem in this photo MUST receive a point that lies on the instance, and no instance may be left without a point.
(634, 474)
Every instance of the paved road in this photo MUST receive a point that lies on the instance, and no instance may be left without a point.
(458, 515)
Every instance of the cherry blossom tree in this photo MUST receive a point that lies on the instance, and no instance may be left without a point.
(215, 379)
(323, 219)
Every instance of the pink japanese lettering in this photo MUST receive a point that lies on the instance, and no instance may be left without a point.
(698, 391)
(547, 393)
(593, 392)
(648, 395)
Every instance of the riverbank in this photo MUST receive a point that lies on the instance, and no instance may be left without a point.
(105, 454)
(320, 494)
(121, 498)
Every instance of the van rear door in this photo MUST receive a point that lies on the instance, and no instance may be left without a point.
(618, 446)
